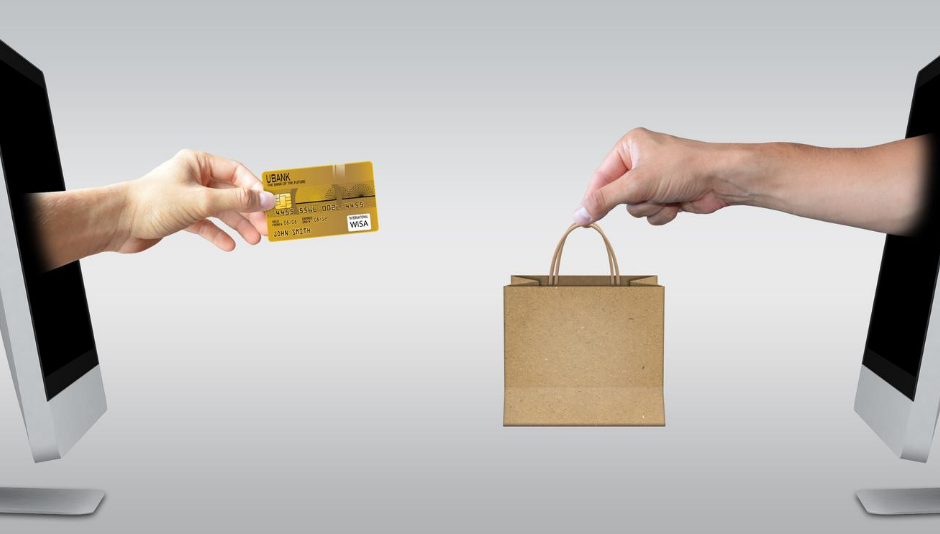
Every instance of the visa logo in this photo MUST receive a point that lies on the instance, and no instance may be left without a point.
(278, 178)
(359, 223)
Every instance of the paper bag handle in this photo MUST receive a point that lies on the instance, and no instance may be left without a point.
(611, 257)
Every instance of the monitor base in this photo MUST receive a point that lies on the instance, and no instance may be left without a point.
(46, 501)
(900, 501)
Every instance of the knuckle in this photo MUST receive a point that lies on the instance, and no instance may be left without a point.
(635, 135)
(205, 230)
(665, 216)
(595, 202)
(188, 158)
(186, 154)
(241, 170)
(243, 199)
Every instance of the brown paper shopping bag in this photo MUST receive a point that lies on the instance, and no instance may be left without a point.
(583, 350)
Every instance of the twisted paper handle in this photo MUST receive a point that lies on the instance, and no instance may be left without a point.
(611, 257)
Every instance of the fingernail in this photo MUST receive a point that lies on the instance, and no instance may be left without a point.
(582, 217)
(267, 200)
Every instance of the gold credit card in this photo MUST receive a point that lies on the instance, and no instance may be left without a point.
(319, 201)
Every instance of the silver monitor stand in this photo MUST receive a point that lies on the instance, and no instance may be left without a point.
(901, 501)
(49, 501)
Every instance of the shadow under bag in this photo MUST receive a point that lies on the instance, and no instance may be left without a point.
(583, 350)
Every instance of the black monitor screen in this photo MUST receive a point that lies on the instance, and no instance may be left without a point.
(30, 160)
(909, 264)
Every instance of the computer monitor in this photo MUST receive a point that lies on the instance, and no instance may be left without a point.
(44, 318)
(899, 385)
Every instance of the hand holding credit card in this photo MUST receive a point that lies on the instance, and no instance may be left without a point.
(321, 201)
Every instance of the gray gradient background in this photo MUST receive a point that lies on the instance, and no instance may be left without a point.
(373, 400)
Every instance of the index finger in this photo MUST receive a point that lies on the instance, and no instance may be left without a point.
(228, 171)
(614, 165)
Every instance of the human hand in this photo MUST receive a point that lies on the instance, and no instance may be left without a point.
(658, 175)
(182, 193)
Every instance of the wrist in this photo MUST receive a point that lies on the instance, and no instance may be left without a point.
(742, 174)
(117, 211)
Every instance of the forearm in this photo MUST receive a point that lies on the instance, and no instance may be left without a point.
(881, 188)
(74, 224)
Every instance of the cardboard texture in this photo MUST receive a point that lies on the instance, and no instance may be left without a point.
(584, 350)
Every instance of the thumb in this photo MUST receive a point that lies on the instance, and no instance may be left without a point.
(239, 199)
(633, 187)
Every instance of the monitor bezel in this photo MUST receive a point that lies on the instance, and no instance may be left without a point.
(54, 424)
(907, 424)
